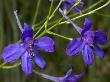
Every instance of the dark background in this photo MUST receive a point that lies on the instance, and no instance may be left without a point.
(57, 62)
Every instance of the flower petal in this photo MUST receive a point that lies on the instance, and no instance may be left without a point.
(88, 55)
(100, 37)
(73, 78)
(77, 10)
(26, 64)
(27, 31)
(69, 72)
(39, 60)
(74, 47)
(12, 52)
(45, 43)
(98, 51)
(64, 8)
(87, 26)
(76, 77)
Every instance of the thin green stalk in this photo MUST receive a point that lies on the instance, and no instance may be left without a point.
(3, 64)
(12, 66)
(88, 8)
(45, 31)
(39, 30)
(95, 4)
(57, 21)
(46, 22)
(36, 13)
(91, 12)
(38, 24)
(74, 6)
(50, 10)
(101, 14)
(56, 9)
(55, 34)
(54, 12)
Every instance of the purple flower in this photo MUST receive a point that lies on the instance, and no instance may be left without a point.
(67, 78)
(88, 42)
(28, 49)
(66, 4)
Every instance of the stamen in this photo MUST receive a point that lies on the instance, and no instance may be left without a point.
(19, 24)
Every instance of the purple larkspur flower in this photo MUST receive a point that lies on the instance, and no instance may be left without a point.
(66, 4)
(88, 42)
(28, 49)
(67, 78)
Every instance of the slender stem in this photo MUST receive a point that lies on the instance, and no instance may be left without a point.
(102, 14)
(52, 78)
(39, 24)
(78, 2)
(39, 30)
(91, 12)
(88, 8)
(95, 4)
(36, 13)
(52, 33)
(46, 22)
(57, 22)
(1, 65)
(18, 21)
(50, 10)
(12, 66)
(45, 31)
(56, 9)
(75, 26)
(48, 18)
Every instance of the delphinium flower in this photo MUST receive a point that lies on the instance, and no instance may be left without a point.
(66, 4)
(88, 42)
(28, 49)
(67, 78)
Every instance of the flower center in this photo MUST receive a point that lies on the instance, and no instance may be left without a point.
(29, 45)
(89, 38)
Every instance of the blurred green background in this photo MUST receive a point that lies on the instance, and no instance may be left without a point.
(58, 62)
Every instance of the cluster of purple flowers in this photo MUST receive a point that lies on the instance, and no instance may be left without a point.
(28, 48)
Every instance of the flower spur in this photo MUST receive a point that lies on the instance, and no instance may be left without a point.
(28, 48)
(67, 78)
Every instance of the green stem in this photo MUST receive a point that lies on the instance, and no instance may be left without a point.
(39, 30)
(50, 10)
(91, 12)
(36, 13)
(3, 64)
(39, 24)
(57, 21)
(12, 66)
(101, 14)
(88, 8)
(56, 9)
(55, 34)
(46, 22)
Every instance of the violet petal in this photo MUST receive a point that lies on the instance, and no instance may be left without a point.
(12, 52)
